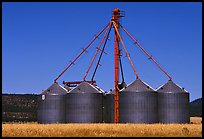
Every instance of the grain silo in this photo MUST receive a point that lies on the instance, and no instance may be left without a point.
(138, 103)
(173, 104)
(51, 105)
(84, 104)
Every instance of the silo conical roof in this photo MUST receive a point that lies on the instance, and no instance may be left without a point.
(85, 87)
(171, 87)
(138, 86)
(55, 89)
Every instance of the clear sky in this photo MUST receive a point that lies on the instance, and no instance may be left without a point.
(39, 40)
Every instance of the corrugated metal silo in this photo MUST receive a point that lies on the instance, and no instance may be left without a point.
(51, 105)
(138, 104)
(173, 104)
(84, 104)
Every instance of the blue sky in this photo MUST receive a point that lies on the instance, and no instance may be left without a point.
(39, 40)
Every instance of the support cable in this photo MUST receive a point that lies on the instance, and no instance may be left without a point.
(97, 50)
(101, 52)
(127, 54)
(150, 56)
(55, 80)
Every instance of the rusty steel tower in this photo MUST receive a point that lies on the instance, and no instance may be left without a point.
(115, 18)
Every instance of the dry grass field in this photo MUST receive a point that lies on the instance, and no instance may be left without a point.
(102, 130)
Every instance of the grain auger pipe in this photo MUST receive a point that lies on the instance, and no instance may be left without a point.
(127, 54)
(84, 49)
(97, 50)
(150, 56)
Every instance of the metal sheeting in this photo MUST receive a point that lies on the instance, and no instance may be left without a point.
(173, 108)
(108, 113)
(84, 104)
(138, 104)
(173, 104)
(51, 105)
(52, 109)
(85, 87)
(171, 87)
(55, 89)
(138, 86)
(138, 107)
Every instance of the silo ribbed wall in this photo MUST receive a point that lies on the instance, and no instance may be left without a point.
(108, 108)
(173, 107)
(51, 109)
(84, 108)
(138, 107)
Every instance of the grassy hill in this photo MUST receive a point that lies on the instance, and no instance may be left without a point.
(19, 107)
(196, 107)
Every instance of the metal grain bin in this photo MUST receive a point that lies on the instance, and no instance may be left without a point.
(173, 104)
(51, 105)
(138, 104)
(84, 104)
